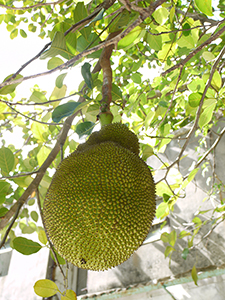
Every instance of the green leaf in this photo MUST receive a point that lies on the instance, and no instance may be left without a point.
(167, 51)
(3, 211)
(129, 38)
(71, 42)
(197, 221)
(43, 154)
(28, 229)
(136, 78)
(85, 71)
(149, 118)
(14, 33)
(23, 181)
(192, 174)
(183, 233)
(61, 27)
(206, 115)
(186, 41)
(59, 80)
(37, 97)
(31, 27)
(70, 295)
(6, 160)
(34, 215)
(120, 22)
(184, 254)
(67, 109)
(205, 6)
(116, 92)
(162, 188)
(99, 16)
(79, 12)
(194, 99)
(10, 88)
(165, 237)
(147, 152)
(58, 93)
(208, 56)
(42, 237)
(161, 15)
(64, 110)
(4, 188)
(216, 81)
(23, 33)
(83, 44)
(172, 13)
(172, 238)
(162, 210)
(45, 288)
(168, 250)
(194, 275)
(154, 41)
(61, 260)
(39, 130)
(54, 62)
(26, 246)
(196, 85)
(187, 28)
(84, 128)
(58, 47)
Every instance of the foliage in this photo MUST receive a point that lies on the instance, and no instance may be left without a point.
(181, 42)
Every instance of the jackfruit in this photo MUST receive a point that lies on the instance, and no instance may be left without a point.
(115, 132)
(101, 201)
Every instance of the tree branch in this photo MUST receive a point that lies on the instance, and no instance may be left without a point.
(211, 148)
(113, 41)
(19, 175)
(198, 49)
(39, 103)
(32, 6)
(34, 120)
(196, 16)
(214, 67)
(34, 184)
(106, 4)
(41, 172)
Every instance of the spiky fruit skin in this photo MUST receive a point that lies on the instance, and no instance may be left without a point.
(100, 206)
(115, 132)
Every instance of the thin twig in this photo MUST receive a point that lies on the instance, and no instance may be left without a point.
(41, 172)
(32, 6)
(19, 175)
(84, 53)
(72, 28)
(39, 103)
(211, 148)
(193, 53)
(171, 102)
(168, 292)
(214, 67)
(207, 234)
(2, 243)
(34, 120)
(177, 30)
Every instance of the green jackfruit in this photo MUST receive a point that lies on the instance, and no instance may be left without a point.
(115, 132)
(100, 204)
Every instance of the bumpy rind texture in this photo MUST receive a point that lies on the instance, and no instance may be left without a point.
(115, 132)
(100, 206)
